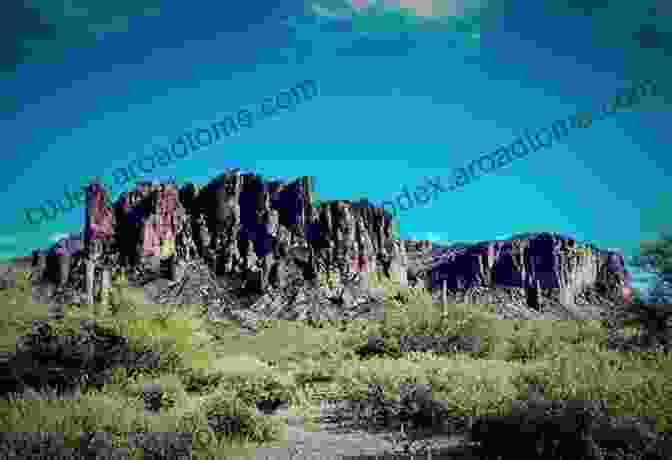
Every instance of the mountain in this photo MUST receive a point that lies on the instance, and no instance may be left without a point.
(258, 242)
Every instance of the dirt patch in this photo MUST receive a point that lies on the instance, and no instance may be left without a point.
(337, 439)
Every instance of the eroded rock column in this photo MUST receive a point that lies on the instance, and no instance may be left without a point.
(89, 280)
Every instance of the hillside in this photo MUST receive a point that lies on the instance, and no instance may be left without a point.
(185, 317)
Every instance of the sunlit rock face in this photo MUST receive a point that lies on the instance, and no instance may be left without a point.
(540, 264)
(239, 224)
(255, 224)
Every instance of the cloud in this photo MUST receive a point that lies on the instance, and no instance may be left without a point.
(332, 14)
(462, 16)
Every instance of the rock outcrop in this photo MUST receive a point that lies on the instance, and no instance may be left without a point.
(261, 236)
(254, 227)
(266, 236)
(542, 268)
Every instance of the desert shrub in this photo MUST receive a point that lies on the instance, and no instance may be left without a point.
(62, 357)
(528, 434)
(532, 340)
(440, 344)
(421, 356)
(535, 339)
(375, 345)
(17, 318)
(160, 445)
(326, 280)
(627, 383)
(418, 405)
(251, 389)
(199, 380)
(634, 434)
(227, 417)
(54, 445)
(567, 429)
(427, 318)
(90, 413)
(468, 386)
(355, 333)
(310, 371)
(165, 391)
(397, 296)
(472, 386)
(173, 331)
(287, 341)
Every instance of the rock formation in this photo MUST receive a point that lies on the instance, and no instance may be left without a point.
(265, 236)
(540, 268)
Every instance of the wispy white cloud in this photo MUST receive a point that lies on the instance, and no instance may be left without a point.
(403, 15)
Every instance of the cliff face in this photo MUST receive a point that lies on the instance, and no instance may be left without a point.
(238, 224)
(542, 264)
(251, 225)
(269, 235)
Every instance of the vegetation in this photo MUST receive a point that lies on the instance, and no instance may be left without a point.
(656, 258)
(396, 229)
(583, 251)
(210, 369)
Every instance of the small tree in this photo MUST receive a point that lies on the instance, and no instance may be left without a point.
(315, 200)
(396, 230)
(656, 258)
(637, 297)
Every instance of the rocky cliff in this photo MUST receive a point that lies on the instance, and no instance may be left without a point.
(268, 235)
(261, 235)
(540, 267)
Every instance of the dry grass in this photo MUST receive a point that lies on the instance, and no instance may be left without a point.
(218, 367)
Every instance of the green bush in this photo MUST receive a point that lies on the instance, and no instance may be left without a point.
(251, 389)
(205, 379)
(237, 420)
(396, 229)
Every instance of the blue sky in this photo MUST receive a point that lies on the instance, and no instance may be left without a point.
(100, 86)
